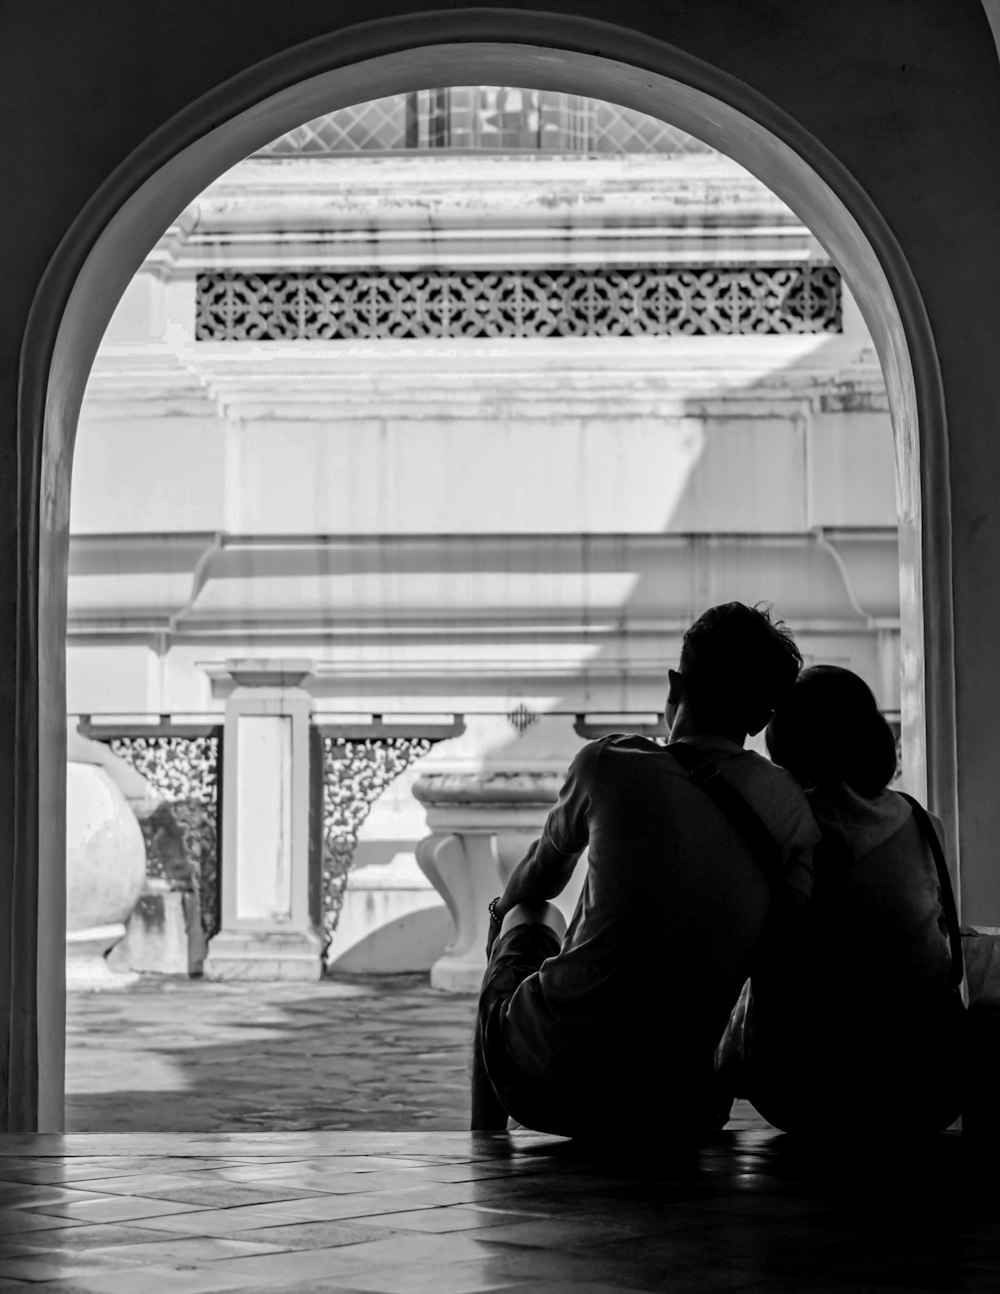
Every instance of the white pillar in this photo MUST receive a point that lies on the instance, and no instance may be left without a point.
(481, 825)
(269, 895)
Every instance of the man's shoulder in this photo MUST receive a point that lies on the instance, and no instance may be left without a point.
(777, 797)
(612, 756)
(758, 767)
(621, 749)
(631, 742)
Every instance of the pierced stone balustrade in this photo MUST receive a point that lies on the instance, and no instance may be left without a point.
(481, 825)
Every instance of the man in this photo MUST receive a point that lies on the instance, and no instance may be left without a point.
(614, 1023)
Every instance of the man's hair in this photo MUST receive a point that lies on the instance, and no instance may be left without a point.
(737, 663)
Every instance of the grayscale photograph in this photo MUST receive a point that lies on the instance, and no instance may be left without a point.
(497, 716)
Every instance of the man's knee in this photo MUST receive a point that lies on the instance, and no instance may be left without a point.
(535, 914)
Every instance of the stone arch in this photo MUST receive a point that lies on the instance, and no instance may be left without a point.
(110, 237)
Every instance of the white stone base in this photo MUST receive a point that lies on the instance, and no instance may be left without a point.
(456, 976)
(392, 921)
(87, 969)
(156, 937)
(265, 955)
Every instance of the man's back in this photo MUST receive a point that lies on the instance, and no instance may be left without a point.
(667, 924)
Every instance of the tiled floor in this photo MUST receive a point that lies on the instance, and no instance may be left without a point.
(449, 1213)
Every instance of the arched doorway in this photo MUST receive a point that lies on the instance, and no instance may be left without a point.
(95, 261)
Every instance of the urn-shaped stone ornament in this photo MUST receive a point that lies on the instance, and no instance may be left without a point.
(105, 869)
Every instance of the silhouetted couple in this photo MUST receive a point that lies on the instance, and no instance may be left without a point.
(777, 931)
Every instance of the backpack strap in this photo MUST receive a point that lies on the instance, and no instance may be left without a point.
(944, 881)
(745, 820)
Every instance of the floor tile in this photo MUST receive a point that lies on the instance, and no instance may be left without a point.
(84, 1236)
(459, 1278)
(318, 1235)
(62, 1265)
(334, 1207)
(148, 1280)
(436, 1220)
(20, 1222)
(225, 1195)
(112, 1208)
(219, 1222)
(187, 1250)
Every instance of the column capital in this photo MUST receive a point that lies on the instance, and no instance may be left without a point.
(270, 672)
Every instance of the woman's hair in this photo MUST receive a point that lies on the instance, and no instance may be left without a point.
(829, 729)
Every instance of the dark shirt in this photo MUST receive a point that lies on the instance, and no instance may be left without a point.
(667, 924)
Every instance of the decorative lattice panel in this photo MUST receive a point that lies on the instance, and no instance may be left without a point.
(182, 835)
(301, 305)
(615, 129)
(355, 773)
(378, 125)
(485, 118)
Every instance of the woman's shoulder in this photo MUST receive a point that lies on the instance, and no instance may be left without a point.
(857, 824)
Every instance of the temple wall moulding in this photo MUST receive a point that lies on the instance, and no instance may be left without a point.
(467, 212)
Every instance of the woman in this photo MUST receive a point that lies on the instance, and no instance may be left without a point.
(854, 1022)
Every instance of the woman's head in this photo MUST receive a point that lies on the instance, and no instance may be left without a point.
(829, 729)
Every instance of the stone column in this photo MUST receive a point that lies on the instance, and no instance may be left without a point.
(269, 894)
(481, 825)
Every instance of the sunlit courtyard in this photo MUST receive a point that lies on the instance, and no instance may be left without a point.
(385, 1052)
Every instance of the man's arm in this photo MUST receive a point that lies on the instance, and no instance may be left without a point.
(546, 868)
(541, 874)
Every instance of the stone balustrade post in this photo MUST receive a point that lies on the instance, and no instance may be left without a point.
(481, 825)
(269, 876)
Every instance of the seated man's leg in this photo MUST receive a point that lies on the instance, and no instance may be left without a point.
(529, 934)
(534, 914)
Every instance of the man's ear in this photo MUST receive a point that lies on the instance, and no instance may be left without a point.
(676, 690)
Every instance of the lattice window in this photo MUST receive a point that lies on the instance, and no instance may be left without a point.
(355, 773)
(378, 125)
(182, 835)
(623, 130)
(485, 118)
(313, 304)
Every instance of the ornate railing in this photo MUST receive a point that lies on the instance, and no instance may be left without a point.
(485, 118)
(314, 304)
(355, 773)
(182, 834)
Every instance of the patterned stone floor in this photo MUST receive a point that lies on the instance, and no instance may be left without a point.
(180, 1055)
(454, 1213)
(177, 1055)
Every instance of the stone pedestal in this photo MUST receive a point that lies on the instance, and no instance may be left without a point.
(481, 825)
(269, 879)
(163, 935)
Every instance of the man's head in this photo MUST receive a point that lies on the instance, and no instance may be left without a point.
(736, 664)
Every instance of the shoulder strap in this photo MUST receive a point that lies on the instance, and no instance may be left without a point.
(944, 881)
(745, 820)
